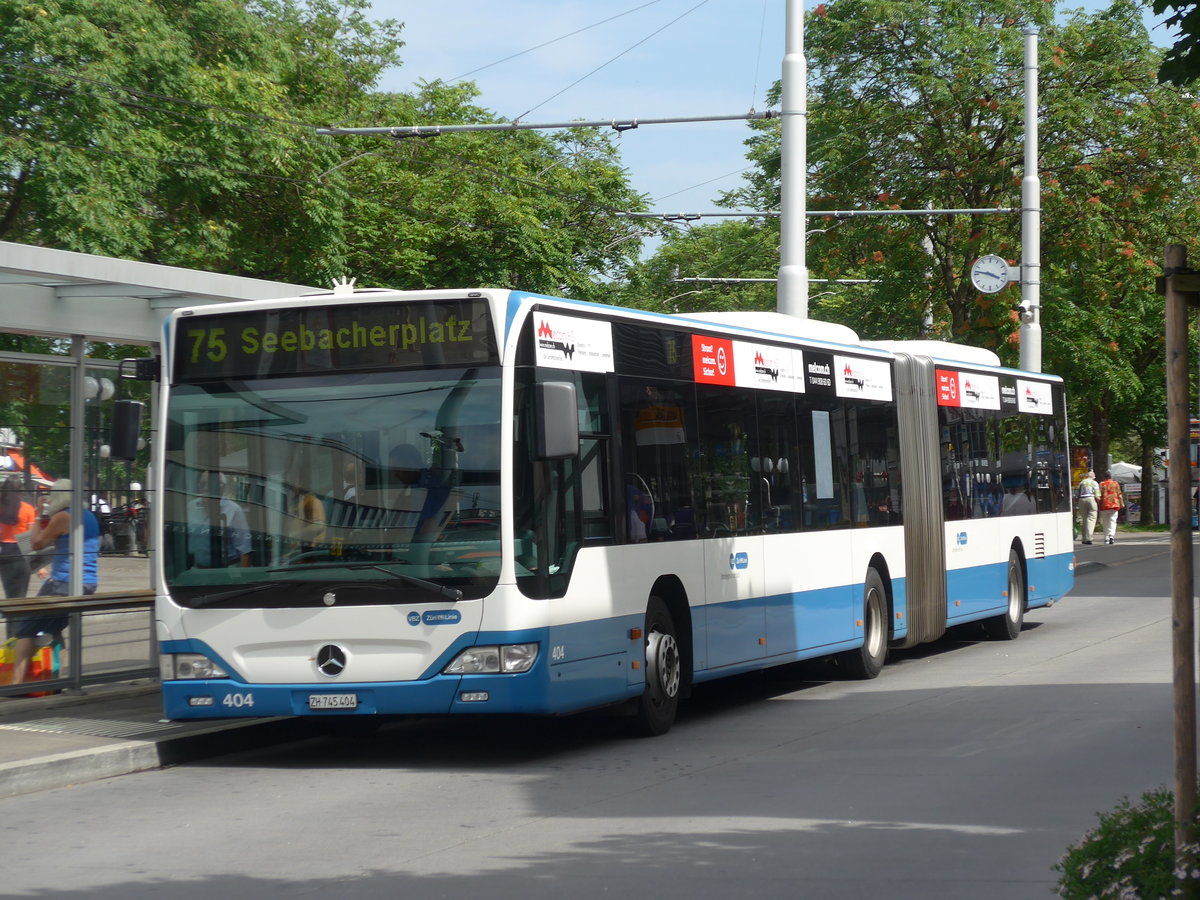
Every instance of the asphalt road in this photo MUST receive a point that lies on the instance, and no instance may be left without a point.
(964, 771)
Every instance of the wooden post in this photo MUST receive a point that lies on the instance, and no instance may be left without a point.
(1176, 285)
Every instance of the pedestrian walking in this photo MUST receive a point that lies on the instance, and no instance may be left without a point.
(1111, 501)
(1088, 495)
(16, 517)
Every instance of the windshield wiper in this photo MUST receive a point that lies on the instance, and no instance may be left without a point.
(212, 599)
(448, 592)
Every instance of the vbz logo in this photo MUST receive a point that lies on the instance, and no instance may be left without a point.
(739, 560)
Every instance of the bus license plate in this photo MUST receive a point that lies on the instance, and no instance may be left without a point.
(332, 701)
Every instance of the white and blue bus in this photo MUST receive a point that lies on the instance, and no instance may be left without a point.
(451, 502)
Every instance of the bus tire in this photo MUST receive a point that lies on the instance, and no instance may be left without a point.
(659, 702)
(1008, 626)
(867, 661)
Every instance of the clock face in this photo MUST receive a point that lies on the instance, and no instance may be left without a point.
(990, 274)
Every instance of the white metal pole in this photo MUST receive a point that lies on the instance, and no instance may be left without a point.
(792, 291)
(1031, 218)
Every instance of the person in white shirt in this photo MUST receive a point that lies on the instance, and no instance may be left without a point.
(230, 533)
(1089, 491)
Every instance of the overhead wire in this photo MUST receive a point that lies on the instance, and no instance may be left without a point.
(301, 135)
(762, 30)
(561, 37)
(305, 129)
(614, 59)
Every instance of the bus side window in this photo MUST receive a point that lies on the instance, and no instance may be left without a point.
(731, 487)
(659, 426)
(826, 462)
(775, 460)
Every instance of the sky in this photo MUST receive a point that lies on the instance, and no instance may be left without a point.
(652, 59)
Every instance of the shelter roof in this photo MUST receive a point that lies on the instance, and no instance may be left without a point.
(59, 292)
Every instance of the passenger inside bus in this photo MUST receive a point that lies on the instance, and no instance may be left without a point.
(218, 533)
(1017, 500)
(404, 467)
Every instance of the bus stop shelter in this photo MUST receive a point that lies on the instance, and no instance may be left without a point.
(58, 311)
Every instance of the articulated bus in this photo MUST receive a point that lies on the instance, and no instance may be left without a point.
(380, 503)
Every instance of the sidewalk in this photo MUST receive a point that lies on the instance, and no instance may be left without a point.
(49, 742)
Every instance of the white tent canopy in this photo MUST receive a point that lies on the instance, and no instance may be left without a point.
(1127, 473)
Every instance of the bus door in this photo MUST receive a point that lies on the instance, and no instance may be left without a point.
(731, 510)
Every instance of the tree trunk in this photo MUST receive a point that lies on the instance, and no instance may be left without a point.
(1100, 440)
(1147, 464)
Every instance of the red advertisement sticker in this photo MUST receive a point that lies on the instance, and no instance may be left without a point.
(712, 359)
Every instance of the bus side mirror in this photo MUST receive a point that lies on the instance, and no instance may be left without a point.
(126, 423)
(556, 420)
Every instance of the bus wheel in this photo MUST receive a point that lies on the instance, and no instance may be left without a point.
(664, 672)
(1008, 626)
(867, 660)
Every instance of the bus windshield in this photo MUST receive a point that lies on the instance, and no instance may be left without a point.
(334, 489)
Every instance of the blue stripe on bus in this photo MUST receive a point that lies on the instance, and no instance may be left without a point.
(565, 678)
(980, 590)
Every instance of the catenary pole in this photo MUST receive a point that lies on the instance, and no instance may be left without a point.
(1183, 625)
(1031, 218)
(792, 293)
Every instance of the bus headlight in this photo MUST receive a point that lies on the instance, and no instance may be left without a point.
(506, 658)
(518, 657)
(188, 666)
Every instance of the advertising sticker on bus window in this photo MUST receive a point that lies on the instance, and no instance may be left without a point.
(712, 359)
(867, 379)
(818, 373)
(768, 368)
(564, 342)
(1035, 397)
(969, 390)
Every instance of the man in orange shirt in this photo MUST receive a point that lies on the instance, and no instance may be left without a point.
(16, 515)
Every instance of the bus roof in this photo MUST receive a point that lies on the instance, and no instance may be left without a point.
(941, 350)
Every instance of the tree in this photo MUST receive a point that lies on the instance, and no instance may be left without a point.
(916, 105)
(537, 211)
(185, 132)
(1181, 65)
(169, 130)
(729, 249)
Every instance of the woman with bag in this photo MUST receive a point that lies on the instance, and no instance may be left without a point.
(15, 518)
(53, 530)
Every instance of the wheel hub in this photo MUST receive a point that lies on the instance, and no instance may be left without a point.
(662, 663)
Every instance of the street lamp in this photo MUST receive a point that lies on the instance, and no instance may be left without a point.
(97, 390)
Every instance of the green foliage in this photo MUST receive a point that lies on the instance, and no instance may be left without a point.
(1181, 65)
(185, 132)
(917, 104)
(169, 131)
(747, 249)
(1130, 855)
(523, 210)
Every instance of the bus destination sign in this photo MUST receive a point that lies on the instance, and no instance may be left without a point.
(309, 340)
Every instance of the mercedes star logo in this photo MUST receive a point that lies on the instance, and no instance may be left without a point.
(331, 660)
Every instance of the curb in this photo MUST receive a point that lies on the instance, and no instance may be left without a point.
(81, 766)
